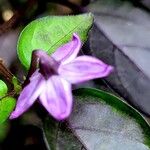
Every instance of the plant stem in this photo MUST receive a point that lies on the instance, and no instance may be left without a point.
(4, 71)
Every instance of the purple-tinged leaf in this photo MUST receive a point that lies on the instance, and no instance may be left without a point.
(146, 4)
(103, 121)
(120, 37)
(59, 136)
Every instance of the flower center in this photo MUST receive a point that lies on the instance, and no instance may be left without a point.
(48, 65)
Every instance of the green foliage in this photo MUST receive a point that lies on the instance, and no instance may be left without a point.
(3, 89)
(7, 105)
(17, 86)
(50, 32)
(4, 127)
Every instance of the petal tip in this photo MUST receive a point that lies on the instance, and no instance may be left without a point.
(75, 36)
(13, 115)
(110, 69)
(62, 117)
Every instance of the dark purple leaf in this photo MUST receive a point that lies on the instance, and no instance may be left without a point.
(59, 136)
(103, 121)
(146, 3)
(120, 37)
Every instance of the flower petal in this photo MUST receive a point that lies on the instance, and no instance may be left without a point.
(29, 94)
(57, 97)
(84, 68)
(69, 51)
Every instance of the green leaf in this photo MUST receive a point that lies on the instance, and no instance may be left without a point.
(50, 32)
(17, 85)
(4, 128)
(3, 89)
(103, 121)
(7, 105)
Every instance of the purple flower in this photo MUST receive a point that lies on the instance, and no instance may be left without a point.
(51, 83)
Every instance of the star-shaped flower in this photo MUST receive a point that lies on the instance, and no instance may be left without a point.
(51, 83)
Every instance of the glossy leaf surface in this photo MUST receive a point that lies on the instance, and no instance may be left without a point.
(3, 89)
(7, 105)
(59, 136)
(103, 121)
(120, 37)
(51, 32)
